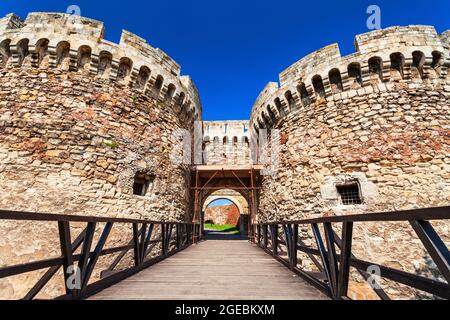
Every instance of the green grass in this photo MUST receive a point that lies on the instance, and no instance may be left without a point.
(222, 227)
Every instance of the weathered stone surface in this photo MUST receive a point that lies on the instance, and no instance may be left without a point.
(226, 143)
(222, 215)
(75, 129)
(78, 121)
(387, 131)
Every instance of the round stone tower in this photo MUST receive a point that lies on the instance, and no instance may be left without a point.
(88, 126)
(362, 133)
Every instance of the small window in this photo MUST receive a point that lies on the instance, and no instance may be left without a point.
(142, 184)
(350, 194)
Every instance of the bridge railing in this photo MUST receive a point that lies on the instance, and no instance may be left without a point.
(332, 254)
(150, 243)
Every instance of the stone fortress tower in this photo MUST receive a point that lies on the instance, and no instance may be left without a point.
(87, 127)
(86, 124)
(372, 126)
(364, 133)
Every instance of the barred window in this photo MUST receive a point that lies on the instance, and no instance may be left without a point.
(142, 184)
(350, 194)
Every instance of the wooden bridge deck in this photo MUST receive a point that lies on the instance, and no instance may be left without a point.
(222, 267)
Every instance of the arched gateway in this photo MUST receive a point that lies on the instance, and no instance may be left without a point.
(227, 166)
(237, 213)
(243, 180)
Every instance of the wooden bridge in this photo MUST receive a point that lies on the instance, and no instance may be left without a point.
(224, 267)
(174, 260)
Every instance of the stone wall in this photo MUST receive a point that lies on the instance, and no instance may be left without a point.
(226, 143)
(386, 129)
(74, 43)
(76, 128)
(378, 120)
(82, 120)
(70, 144)
(84, 125)
(223, 215)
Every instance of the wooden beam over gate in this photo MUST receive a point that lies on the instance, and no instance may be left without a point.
(206, 171)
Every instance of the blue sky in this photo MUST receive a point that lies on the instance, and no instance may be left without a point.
(233, 48)
(219, 202)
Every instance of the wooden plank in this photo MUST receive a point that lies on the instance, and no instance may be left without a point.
(214, 270)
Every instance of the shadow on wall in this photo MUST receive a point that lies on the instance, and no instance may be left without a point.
(221, 235)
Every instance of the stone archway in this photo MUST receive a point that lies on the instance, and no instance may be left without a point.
(234, 197)
(242, 181)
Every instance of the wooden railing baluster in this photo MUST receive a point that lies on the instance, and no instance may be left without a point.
(274, 233)
(53, 270)
(97, 251)
(323, 253)
(85, 262)
(294, 246)
(137, 260)
(344, 264)
(434, 245)
(336, 267)
(266, 239)
(66, 252)
(332, 259)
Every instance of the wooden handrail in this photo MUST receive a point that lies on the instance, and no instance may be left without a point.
(38, 216)
(334, 276)
(437, 213)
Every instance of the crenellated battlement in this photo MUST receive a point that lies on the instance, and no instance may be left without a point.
(11, 21)
(396, 54)
(445, 38)
(73, 43)
(269, 90)
(310, 63)
(226, 142)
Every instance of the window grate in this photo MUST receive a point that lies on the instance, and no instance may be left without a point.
(350, 194)
(139, 188)
(142, 184)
